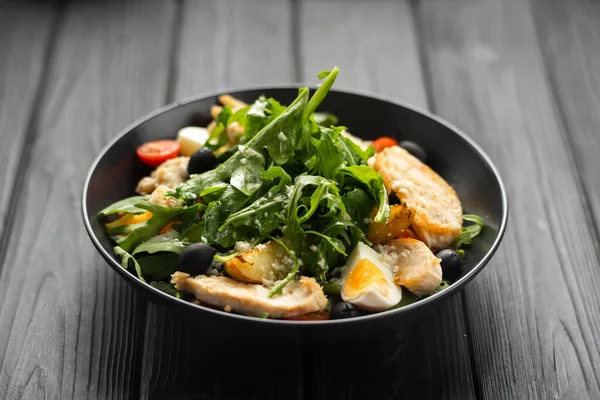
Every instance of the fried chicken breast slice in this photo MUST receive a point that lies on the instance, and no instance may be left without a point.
(437, 210)
(414, 265)
(298, 297)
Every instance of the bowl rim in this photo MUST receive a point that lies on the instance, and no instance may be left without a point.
(436, 298)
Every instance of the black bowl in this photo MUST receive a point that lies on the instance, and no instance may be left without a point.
(116, 171)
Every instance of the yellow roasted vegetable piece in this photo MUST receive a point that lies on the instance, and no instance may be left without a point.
(400, 219)
(265, 261)
(130, 219)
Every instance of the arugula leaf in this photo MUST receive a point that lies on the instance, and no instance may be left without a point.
(126, 259)
(284, 126)
(325, 118)
(159, 266)
(153, 246)
(278, 289)
(330, 155)
(256, 117)
(323, 73)
(321, 92)
(126, 206)
(247, 177)
(374, 185)
(443, 286)
(266, 213)
(168, 288)
(335, 243)
(161, 217)
(469, 232)
(407, 298)
(218, 137)
(359, 206)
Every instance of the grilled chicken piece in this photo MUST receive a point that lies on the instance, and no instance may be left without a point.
(298, 297)
(265, 262)
(438, 213)
(171, 173)
(158, 197)
(414, 265)
(232, 102)
(399, 220)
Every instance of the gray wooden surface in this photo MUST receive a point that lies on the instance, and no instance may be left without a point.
(521, 77)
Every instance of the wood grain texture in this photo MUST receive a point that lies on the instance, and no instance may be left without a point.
(25, 35)
(69, 326)
(372, 42)
(534, 310)
(233, 43)
(223, 44)
(428, 358)
(569, 36)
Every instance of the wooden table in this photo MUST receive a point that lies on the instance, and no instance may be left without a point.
(521, 77)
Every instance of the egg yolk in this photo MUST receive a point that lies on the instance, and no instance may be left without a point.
(364, 275)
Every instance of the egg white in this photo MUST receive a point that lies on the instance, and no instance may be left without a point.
(371, 298)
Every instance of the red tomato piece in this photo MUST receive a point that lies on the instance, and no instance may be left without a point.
(315, 316)
(155, 153)
(384, 142)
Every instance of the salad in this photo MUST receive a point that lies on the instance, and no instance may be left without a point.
(275, 211)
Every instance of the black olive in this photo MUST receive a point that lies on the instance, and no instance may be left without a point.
(196, 258)
(414, 149)
(201, 161)
(451, 261)
(343, 309)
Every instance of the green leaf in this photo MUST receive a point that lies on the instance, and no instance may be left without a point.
(278, 289)
(323, 73)
(126, 206)
(153, 246)
(330, 155)
(247, 177)
(159, 266)
(321, 92)
(168, 288)
(127, 259)
(359, 206)
(334, 242)
(407, 298)
(218, 137)
(373, 182)
(161, 217)
(285, 125)
(476, 219)
(443, 286)
(469, 232)
(265, 214)
(325, 118)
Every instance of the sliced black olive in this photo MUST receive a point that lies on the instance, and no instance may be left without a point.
(414, 149)
(201, 161)
(343, 309)
(451, 261)
(196, 258)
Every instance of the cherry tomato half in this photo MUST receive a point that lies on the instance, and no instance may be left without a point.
(315, 316)
(384, 142)
(155, 153)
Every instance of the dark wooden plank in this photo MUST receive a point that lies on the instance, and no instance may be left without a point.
(25, 34)
(223, 44)
(69, 326)
(429, 357)
(569, 35)
(534, 310)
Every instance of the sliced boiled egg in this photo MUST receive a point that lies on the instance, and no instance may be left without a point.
(367, 282)
(191, 139)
